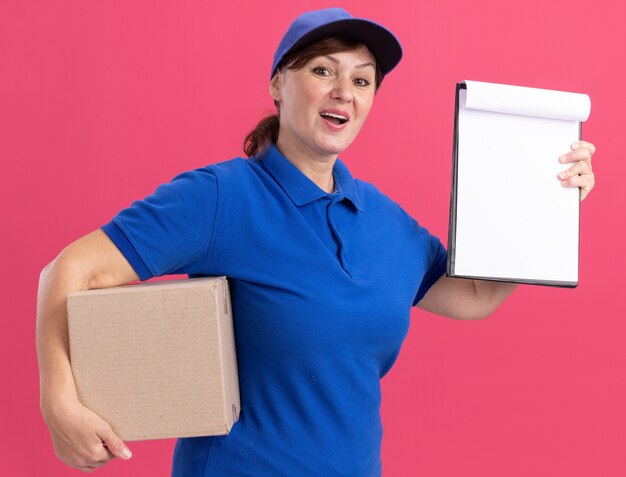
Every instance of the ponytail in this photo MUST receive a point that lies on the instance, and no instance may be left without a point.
(258, 141)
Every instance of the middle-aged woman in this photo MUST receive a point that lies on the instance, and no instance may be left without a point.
(323, 271)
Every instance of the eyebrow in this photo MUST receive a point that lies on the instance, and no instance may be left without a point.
(335, 60)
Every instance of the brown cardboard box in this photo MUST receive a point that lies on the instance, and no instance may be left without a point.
(156, 360)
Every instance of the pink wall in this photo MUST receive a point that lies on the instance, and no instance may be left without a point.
(102, 101)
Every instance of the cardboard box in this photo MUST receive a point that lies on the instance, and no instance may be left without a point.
(156, 360)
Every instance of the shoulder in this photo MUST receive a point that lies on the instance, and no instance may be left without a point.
(376, 201)
(230, 165)
(238, 172)
(193, 187)
(369, 192)
(212, 176)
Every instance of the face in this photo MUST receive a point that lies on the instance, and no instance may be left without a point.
(324, 104)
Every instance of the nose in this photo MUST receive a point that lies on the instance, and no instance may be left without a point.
(342, 89)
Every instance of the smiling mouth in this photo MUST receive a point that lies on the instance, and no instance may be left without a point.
(334, 118)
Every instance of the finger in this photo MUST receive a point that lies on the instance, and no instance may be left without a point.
(580, 167)
(104, 460)
(110, 455)
(91, 466)
(92, 458)
(585, 144)
(582, 154)
(585, 182)
(86, 468)
(114, 444)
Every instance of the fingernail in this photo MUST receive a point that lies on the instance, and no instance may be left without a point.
(563, 175)
(564, 183)
(575, 145)
(562, 158)
(126, 453)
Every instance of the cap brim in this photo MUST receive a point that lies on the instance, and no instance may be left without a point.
(381, 42)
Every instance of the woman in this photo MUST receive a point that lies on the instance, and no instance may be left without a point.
(323, 271)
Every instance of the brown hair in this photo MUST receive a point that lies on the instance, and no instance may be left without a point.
(266, 131)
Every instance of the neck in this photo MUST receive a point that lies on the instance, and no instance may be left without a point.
(316, 167)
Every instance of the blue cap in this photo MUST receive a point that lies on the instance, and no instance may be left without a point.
(312, 26)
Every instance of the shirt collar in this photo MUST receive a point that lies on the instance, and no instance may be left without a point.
(302, 190)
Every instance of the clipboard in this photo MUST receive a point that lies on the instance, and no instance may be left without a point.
(510, 218)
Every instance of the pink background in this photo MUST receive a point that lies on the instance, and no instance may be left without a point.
(100, 102)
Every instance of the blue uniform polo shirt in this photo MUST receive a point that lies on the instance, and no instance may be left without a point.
(321, 286)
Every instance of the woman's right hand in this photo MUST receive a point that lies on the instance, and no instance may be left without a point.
(81, 438)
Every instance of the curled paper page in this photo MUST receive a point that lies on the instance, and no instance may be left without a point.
(521, 100)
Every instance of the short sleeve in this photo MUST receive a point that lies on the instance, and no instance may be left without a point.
(170, 231)
(437, 263)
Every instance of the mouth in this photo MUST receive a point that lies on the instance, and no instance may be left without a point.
(335, 118)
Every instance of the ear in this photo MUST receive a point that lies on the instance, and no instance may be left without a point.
(275, 86)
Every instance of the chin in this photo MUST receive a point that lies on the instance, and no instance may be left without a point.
(333, 148)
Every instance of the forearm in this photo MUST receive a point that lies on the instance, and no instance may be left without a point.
(56, 281)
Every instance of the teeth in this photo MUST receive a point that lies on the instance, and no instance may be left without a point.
(333, 115)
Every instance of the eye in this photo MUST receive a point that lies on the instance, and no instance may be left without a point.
(321, 70)
(362, 82)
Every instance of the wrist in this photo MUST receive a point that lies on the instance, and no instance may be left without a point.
(53, 402)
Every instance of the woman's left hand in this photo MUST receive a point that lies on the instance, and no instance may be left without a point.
(581, 173)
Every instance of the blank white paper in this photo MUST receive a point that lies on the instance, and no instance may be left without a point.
(514, 220)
